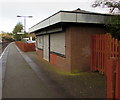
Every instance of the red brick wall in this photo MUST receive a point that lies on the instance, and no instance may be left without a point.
(60, 62)
(64, 62)
(39, 53)
(26, 47)
(79, 46)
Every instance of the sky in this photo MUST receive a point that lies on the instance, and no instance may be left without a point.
(39, 9)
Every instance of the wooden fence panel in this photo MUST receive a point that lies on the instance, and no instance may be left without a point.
(103, 48)
(106, 59)
(118, 75)
(110, 79)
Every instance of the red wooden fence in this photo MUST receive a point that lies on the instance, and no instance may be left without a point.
(113, 77)
(118, 75)
(103, 48)
(106, 59)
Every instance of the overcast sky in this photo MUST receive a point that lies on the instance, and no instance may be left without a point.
(39, 9)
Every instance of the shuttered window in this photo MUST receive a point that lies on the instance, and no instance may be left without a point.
(40, 42)
(57, 43)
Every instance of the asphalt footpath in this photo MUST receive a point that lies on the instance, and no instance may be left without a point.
(20, 81)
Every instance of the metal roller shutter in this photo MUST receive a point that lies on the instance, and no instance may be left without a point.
(57, 43)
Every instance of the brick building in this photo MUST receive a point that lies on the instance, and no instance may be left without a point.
(64, 39)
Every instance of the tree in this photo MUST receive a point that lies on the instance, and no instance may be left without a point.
(17, 29)
(114, 5)
(113, 26)
(7, 36)
(113, 23)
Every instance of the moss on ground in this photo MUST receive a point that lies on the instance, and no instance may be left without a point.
(80, 85)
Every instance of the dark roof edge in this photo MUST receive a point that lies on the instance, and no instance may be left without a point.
(71, 23)
(95, 13)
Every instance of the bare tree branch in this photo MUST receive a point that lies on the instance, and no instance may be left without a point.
(112, 4)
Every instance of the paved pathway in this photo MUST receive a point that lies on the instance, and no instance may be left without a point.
(20, 80)
(3, 60)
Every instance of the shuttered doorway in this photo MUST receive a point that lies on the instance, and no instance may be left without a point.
(46, 51)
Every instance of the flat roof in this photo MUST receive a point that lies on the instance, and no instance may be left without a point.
(76, 16)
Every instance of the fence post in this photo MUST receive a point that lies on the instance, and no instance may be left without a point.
(118, 75)
(106, 55)
(111, 78)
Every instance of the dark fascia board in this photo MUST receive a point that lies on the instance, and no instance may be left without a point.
(47, 30)
(94, 13)
(48, 27)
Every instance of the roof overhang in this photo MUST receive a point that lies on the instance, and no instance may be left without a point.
(70, 17)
